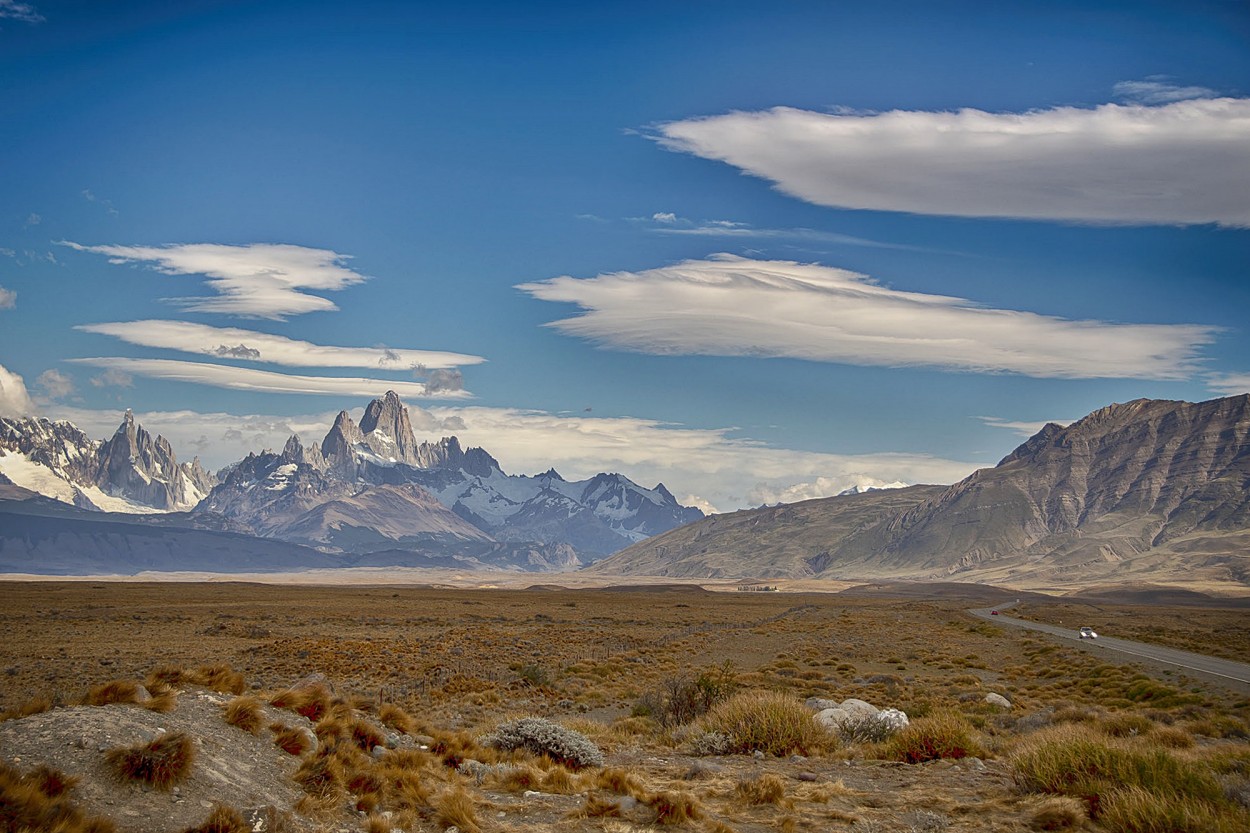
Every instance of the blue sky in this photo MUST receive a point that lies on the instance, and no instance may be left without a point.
(758, 251)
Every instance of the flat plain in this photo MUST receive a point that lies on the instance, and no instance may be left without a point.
(597, 660)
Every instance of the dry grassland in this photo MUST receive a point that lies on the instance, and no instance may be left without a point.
(450, 666)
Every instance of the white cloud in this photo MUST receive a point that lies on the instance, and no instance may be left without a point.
(1229, 384)
(1180, 163)
(664, 217)
(113, 378)
(818, 488)
(14, 400)
(232, 342)
(731, 306)
(55, 384)
(1158, 89)
(245, 378)
(1022, 428)
(16, 10)
(731, 229)
(258, 281)
(8, 298)
(219, 438)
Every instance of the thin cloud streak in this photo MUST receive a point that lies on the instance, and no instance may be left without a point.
(732, 306)
(261, 280)
(233, 342)
(1022, 428)
(265, 381)
(1185, 162)
(1229, 384)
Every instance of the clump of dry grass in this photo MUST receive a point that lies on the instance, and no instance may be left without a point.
(246, 712)
(163, 699)
(310, 701)
(222, 819)
(290, 739)
(397, 719)
(115, 691)
(39, 800)
(771, 722)
(764, 789)
(942, 734)
(321, 776)
(454, 808)
(1128, 787)
(675, 807)
(221, 678)
(1058, 812)
(162, 763)
(619, 781)
(35, 705)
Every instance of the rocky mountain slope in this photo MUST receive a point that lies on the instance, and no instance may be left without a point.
(132, 471)
(1146, 490)
(370, 493)
(373, 486)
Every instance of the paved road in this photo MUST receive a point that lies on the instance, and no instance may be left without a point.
(1236, 674)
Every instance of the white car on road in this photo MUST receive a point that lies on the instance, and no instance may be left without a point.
(1086, 633)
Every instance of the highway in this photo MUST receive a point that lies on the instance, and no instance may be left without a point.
(1234, 674)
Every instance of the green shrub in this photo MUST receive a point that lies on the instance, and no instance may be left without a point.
(770, 722)
(682, 699)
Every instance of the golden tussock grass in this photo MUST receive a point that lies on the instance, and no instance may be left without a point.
(245, 712)
(1058, 812)
(39, 801)
(116, 691)
(162, 763)
(35, 705)
(222, 819)
(1128, 785)
(774, 723)
(310, 701)
(396, 718)
(220, 678)
(675, 807)
(763, 789)
(321, 776)
(942, 734)
(619, 781)
(290, 739)
(454, 807)
(597, 806)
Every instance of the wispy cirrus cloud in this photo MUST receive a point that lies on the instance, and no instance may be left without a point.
(17, 10)
(1229, 384)
(732, 306)
(260, 280)
(667, 222)
(265, 381)
(1023, 428)
(1184, 162)
(252, 345)
(1159, 89)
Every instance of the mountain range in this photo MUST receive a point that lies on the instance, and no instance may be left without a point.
(366, 490)
(1148, 490)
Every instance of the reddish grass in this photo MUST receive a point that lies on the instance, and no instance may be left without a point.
(162, 763)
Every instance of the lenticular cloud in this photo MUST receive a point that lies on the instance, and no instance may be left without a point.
(1186, 162)
(733, 306)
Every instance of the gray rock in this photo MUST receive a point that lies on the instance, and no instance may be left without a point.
(998, 700)
(859, 708)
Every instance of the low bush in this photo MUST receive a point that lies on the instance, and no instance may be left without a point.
(942, 734)
(872, 728)
(162, 763)
(771, 722)
(542, 737)
(683, 699)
